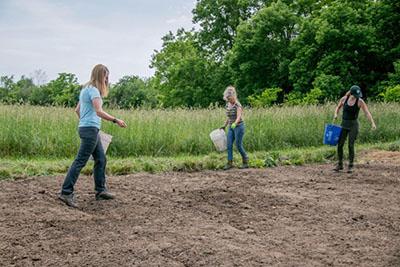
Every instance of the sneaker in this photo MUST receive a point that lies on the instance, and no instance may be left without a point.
(338, 168)
(104, 196)
(68, 199)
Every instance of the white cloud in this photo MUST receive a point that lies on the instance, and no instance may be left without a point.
(60, 37)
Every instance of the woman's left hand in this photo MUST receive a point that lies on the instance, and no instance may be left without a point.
(121, 123)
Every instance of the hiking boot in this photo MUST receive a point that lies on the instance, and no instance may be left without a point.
(228, 165)
(68, 199)
(338, 168)
(104, 195)
(245, 164)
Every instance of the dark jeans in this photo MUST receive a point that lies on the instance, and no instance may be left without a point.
(352, 132)
(236, 134)
(90, 145)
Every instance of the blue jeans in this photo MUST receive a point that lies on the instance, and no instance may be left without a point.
(236, 134)
(90, 145)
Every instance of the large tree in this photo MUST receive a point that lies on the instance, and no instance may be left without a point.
(183, 74)
(260, 56)
(342, 43)
(219, 20)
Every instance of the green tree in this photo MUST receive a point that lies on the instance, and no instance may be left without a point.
(183, 73)
(41, 96)
(62, 91)
(132, 92)
(7, 86)
(23, 90)
(341, 41)
(386, 19)
(329, 86)
(65, 89)
(219, 21)
(260, 56)
(15, 92)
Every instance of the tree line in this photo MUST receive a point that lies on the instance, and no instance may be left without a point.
(274, 51)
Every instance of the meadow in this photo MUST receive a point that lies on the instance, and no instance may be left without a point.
(51, 132)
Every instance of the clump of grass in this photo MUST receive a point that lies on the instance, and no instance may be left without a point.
(21, 168)
(395, 146)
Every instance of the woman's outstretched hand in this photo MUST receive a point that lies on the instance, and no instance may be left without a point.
(121, 123)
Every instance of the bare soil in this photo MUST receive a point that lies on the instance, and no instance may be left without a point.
(284, 216)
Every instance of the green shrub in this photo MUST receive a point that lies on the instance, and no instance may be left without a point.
(392, 94)
(327, 86)
(266, 99)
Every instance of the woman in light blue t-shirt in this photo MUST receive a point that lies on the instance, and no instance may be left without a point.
(90, 113)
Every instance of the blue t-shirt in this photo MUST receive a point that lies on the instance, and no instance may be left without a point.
(88, 116)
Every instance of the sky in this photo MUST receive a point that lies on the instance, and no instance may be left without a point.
(72, 36)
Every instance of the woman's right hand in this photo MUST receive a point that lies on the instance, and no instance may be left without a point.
(121, 123)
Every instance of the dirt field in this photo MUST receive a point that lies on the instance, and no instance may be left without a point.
(285, 216)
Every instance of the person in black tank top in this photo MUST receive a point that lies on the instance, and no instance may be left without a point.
(351, 103)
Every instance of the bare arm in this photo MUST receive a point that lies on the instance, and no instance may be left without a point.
(364, 107)
(339, 106)
(225, 124)
(104, 115)
(77, 109)
(239, 115)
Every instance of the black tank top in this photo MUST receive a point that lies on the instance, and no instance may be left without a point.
(350, 112)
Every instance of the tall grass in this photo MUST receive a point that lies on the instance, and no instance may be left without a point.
(28, 131)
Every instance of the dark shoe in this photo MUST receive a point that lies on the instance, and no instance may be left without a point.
(338, 168)
(68, 199)
(104, 196)
(350, 169)
(229, 165)
(245, 164)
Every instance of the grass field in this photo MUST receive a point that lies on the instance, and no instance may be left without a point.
(50, 132)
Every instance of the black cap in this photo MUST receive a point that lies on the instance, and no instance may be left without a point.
(355, 90)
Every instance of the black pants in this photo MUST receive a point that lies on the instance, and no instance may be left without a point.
(352, 133)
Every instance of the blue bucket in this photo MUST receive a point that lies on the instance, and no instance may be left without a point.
(332, 134)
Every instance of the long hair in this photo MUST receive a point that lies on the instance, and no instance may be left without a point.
(99, 72)
(229, 91)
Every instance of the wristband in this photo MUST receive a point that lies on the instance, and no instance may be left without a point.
(114, 120)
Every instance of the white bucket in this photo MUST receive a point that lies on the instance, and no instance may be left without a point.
(105, 141)
(218, 137)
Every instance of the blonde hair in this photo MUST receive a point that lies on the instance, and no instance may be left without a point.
(229, 91)
(99, 72)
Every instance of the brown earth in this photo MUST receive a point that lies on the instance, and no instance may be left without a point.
(284, 216)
